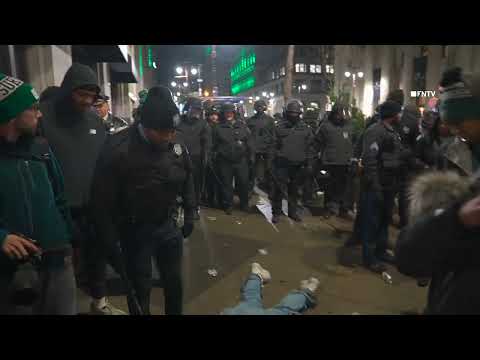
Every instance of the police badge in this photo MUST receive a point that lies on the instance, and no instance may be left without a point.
(177, 149)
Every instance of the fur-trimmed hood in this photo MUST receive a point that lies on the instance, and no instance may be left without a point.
(436, 190)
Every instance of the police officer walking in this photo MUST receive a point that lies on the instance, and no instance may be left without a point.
(382, 160)
(259, 124)
(334, 141)
(112, 123)
(195, 133)
(233, 149)
(138, 179)
(293, 141)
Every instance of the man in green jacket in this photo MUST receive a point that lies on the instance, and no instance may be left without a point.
(35, 227)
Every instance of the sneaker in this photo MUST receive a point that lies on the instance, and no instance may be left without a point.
(310, 284)
(264, 274)
(377, 267)
(228, 211)
(295, 217)
(108, 309)
(275, 219)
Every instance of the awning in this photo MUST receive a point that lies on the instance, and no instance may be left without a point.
(123, 72)
(105, 53)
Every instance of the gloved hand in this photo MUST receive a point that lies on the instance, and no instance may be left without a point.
(187, 229)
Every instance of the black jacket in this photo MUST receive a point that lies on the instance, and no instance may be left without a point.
(334, 141)
(382, 156)
(232, 142)
(294, 143)
(259, 125)
(196, 135)
(75, 138)
(136, 182)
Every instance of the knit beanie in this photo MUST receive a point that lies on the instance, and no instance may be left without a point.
(15, 97)
(460, 101)
(389, 109)
(159, 112)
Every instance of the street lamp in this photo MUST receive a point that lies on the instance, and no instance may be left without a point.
(178, 93)
(173, 83)
(185, 84)
(179, 70)
(304, 86)
(347, 74)
(257, 98)
(272, 94)
(354, 76)
(194, 71)
(360, 74)
(264, 94)
(200, 80)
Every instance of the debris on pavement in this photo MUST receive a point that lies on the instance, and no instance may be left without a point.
(262, 252)
(387, 278)
(356, 313)
(212, 272)
(238, 222)
(211, 218)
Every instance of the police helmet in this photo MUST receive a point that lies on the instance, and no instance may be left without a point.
(260, 105)
(293, 106)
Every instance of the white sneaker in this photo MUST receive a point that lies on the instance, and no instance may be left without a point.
(310, 284)
(264, 274)
(108, 309)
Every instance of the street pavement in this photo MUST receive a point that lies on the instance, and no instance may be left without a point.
(218, 255)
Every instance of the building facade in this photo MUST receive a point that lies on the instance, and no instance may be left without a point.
(388, 67)
(260, 73)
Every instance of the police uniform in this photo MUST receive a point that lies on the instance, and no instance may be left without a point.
(195, 134)
(294, 153)
(233, 149)
(137, 188)
(212, 191)
(334, 140)
(259, 125)
(382, 158)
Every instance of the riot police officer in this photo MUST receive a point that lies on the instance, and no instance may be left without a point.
(259, 124)
(294, 152)
(334, 140)
(194, 132)
(211, 194)
(233, 149)
(382, 160)
(140, 176)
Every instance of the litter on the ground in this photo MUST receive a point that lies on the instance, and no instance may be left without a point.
(262, 251)
(355, 313)
(212, 272)
(387, 278)
(239, 222)
(211, 218)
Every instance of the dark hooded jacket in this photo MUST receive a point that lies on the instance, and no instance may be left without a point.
(75, 138)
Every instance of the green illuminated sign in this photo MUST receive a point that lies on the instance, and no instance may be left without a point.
(150, 57)
(209, 50)
(241, 74)
(140, 60)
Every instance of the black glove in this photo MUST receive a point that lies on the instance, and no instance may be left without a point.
(187, 229)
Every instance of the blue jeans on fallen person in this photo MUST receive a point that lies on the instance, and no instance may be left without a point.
(295, 303)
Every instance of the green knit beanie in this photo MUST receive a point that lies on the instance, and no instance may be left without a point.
(15, 97)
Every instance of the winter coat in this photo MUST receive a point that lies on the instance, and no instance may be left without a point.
(195, 135)
(436, 245)
(259, 125)
(232, 142)
(75, 138)
(32, 201)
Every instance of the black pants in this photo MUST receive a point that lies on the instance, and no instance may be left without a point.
(93, 254)
(197, 176)
(337, 186)
(228, 171)
(310, 183)
(212, 193)
(165, 244)
(403, 202)
(287, 181)
(261, 173)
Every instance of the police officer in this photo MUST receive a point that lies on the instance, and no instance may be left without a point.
(141, 175)
(112, 123)
(211, 195)
(382, 160)
(233, 149)
(259, 124)
(409, 130)
(334, 140)
(194, 132)
(294, 151)
(311, 119)
(142, 97)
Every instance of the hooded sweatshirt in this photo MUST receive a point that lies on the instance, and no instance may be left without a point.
(75, 138)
